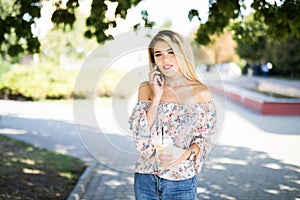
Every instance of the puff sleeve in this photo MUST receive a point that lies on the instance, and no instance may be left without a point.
(205, 133)
(143, 136)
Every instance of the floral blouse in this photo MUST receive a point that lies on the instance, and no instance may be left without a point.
(186, 124)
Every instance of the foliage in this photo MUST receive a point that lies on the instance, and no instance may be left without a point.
(28, 172)
(39, 82)
(255, 46)
(281, 20)
(220, 14)
(65, 14)
(69, 47)
(109, 77)
(108, 82)
(16, 22)
(251, 38)
(36, 82)
(285, 56)
(222, 49)
(97, 23)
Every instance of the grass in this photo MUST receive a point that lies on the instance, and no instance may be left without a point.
(28, 172)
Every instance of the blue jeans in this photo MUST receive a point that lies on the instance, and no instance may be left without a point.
(152, 187)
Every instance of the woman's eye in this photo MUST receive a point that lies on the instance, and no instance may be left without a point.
(171, 52)
(157, 55)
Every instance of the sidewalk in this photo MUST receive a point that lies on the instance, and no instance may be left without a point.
(256, 156)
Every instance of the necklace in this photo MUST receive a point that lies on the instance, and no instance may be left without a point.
(175, 82)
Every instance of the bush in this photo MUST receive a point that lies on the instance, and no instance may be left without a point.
(53, 82)
(108, 82)
(97, 81)
(36, 82)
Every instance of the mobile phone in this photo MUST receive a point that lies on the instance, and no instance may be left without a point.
(160, 76)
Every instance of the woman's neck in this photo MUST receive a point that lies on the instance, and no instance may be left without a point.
(176, 81)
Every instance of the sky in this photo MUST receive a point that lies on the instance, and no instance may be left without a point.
(159, 11)
(175, 11)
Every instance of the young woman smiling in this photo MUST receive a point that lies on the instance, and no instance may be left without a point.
(173, 104)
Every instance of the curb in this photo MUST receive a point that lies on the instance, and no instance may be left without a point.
(259, 103)
(83, 182)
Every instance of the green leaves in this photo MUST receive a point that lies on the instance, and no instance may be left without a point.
(220, 14)
(193, 13)
(147, 23)
(96, 24)
(17, 18)
(16, 22)
(282, 20)
(64, 14)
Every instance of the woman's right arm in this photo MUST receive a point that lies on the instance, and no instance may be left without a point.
(154, 90)
(144, 116)
(144, 135)
(144, 94)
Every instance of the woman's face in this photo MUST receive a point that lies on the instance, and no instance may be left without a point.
(165, 59)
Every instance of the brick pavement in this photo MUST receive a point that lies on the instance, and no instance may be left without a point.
(255, 158)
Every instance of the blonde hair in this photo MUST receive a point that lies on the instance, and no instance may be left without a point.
(182, 49)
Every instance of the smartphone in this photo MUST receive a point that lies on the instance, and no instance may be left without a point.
(160, 76)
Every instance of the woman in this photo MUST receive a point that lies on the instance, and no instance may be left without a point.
(174, 104)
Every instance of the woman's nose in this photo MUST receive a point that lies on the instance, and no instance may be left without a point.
(165, 58)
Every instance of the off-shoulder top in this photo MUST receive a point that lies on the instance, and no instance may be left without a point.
(186, 124)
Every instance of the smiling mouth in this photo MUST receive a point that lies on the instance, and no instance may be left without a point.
(166, 67)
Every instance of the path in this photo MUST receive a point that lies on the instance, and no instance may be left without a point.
(256, 156)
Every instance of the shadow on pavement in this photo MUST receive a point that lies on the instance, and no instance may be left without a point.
(229, 173)
(241, 173)
(55, 135)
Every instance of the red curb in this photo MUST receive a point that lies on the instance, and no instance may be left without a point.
(265, 107)
(270, 108)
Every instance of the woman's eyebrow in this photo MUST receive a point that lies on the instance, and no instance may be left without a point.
(158, 51)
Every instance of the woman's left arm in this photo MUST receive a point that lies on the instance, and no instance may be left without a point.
(205, 135)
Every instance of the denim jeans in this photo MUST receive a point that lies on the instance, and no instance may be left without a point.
(152, 187)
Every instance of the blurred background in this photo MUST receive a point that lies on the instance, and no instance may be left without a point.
(252, 46)
(44, 43)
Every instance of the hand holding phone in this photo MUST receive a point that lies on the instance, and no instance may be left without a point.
(156, 80)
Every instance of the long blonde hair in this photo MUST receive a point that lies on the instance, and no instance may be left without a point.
(182, 49)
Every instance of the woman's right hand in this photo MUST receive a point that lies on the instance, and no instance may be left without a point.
(156, 83)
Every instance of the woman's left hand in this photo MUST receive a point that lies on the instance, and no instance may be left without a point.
(167, 160)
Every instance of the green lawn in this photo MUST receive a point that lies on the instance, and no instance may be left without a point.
(27, 172)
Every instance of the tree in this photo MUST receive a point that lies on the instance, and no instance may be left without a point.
(222, 49)
(66, 47)
(285, 56)
(281, 20)
(16, 21)
(254, 45)
(18, 17)
(251, 38)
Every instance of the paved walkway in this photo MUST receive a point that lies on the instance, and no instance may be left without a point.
(256, 156)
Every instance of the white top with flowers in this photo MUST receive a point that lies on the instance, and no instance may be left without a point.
(186, 124)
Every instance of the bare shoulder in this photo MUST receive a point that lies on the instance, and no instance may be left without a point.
(144, 91)
(202, 93)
